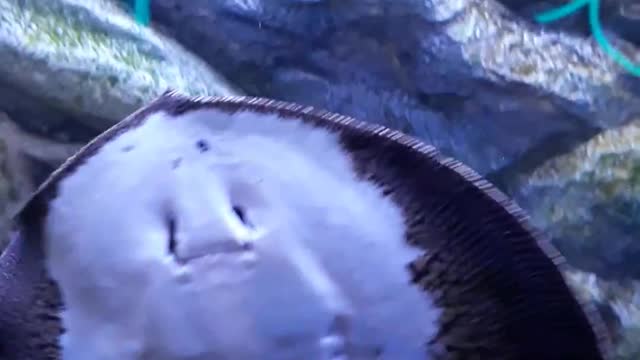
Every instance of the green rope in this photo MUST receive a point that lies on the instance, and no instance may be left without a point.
(560, 12)
(142, 9)
(596, 29)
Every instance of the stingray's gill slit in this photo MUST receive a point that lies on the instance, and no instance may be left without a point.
(171, 229)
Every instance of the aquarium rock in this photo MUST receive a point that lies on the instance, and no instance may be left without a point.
(589, 201)
(90, 58)
(469, 76)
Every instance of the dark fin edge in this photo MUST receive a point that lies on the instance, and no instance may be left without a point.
(29, 304)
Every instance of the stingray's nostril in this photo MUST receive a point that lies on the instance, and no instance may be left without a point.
(202, 145)
(241, 214)
(173, 244)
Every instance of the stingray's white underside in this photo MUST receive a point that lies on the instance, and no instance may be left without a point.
(317, 270)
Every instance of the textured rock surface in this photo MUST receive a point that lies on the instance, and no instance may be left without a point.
(467, 75)
(589, 200)
(621, 17)
(18, 173)
(90, 59)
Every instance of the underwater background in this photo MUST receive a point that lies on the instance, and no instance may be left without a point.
(541, 110)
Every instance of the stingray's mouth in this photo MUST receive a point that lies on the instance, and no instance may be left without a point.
(212, 251)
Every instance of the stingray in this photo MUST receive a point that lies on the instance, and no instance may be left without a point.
(247, 228)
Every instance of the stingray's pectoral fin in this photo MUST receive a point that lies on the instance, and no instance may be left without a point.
(498, 281)
(29, 303)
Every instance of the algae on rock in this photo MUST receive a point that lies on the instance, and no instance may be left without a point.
(17, 149)
(573, 70)
(589, 200)
(90, 58)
